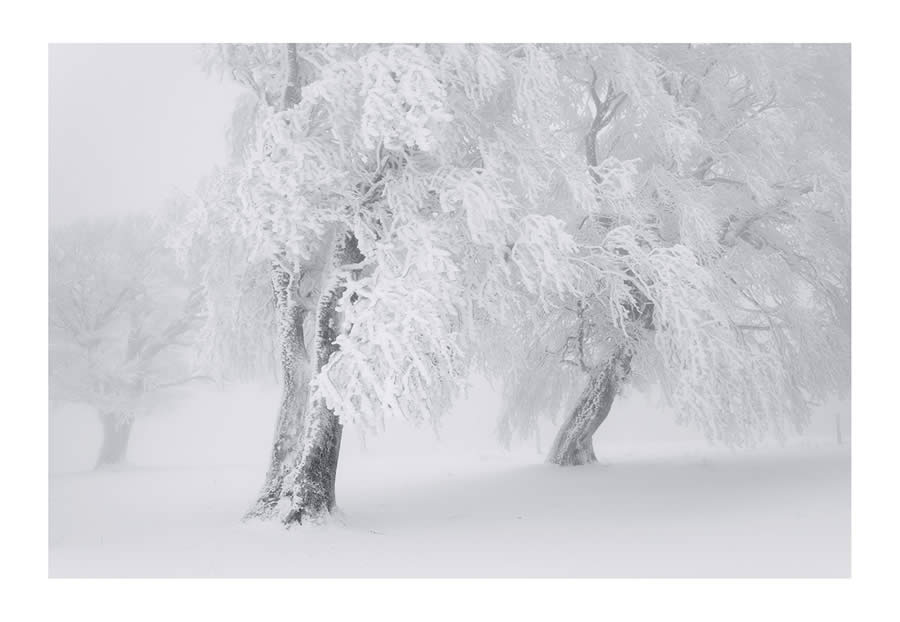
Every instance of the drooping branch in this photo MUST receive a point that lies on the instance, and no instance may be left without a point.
(735, 229)
(143, 347)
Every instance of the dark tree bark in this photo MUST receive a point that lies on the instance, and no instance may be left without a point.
(291, 313)
(573, 444)
(292, 87)
(116, 432)
(312, 485)
(295, 389)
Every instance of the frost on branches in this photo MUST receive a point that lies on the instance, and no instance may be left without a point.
(408, 193)
(570, 218)
(123, 320)
(717, 240)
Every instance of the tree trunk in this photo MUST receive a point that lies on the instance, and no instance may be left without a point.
(294, 357)
(116, 432)
(574, 441)
(295, 389)
(312, 486)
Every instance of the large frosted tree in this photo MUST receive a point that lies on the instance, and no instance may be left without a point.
(572, 218)
(406, 198)
(714, 218)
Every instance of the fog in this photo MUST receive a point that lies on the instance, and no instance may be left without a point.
(449, 310)
(130, 123)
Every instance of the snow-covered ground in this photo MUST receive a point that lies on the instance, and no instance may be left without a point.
(661, 503)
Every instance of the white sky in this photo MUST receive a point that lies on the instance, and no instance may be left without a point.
(128, 124)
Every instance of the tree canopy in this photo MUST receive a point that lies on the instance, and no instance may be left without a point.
(569, 218)
(122, 315)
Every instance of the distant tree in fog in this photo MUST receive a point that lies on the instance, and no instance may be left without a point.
(122, 321)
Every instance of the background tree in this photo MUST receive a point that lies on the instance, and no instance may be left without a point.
(714, 216)
(122, 319)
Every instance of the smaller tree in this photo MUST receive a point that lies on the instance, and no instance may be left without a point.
(122, 317)
(713, 225)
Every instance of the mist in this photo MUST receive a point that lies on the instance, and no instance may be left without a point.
(130, 125)
(449, 310)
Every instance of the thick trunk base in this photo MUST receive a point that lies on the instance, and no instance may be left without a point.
(295, 390)
(577, 453)
(116, 432)
(308, 492)
(312, 494)
(573, 445)
(287, 438)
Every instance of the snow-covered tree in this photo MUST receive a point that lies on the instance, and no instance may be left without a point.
(406, 196)
(712, 209)
(574, 218)
(121, 320)
(272, 75)
(236, 341)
